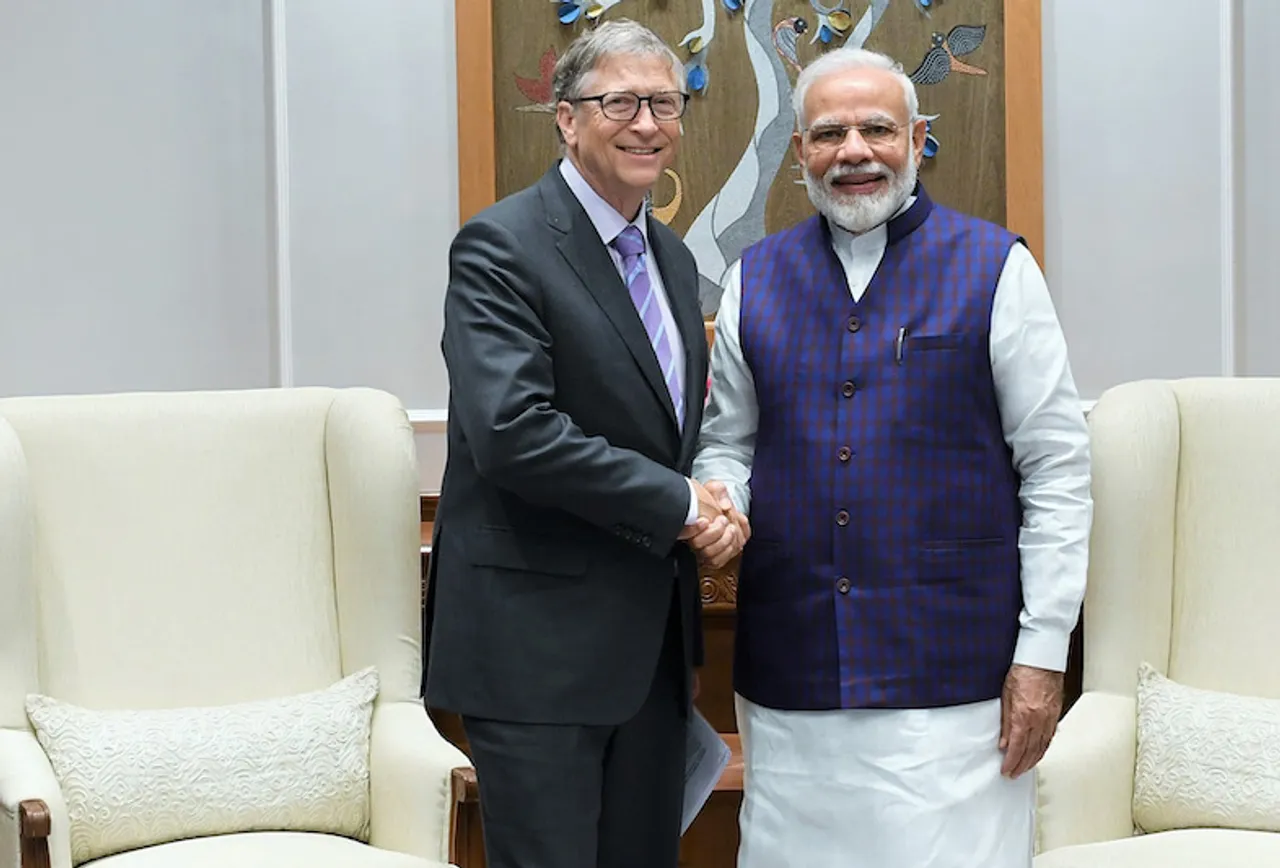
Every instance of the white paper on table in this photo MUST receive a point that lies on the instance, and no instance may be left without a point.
(706, 756)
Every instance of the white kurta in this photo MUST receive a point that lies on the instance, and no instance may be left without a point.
(863, 788)
(918, 788)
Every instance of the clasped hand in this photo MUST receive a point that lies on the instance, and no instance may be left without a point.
(721, 531)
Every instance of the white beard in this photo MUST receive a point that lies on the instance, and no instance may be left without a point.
(860, 213)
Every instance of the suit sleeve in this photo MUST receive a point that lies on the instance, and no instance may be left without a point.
(502, 394)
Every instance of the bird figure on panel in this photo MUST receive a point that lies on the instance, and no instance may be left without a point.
(942, 58)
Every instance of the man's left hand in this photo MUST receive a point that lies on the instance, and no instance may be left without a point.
(1030, 708)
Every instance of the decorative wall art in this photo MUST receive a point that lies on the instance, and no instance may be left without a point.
(975, 63)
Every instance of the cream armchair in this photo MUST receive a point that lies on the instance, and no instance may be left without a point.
(171, 551)
(1185, 576)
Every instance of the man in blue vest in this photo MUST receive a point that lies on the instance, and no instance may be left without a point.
(892, 405)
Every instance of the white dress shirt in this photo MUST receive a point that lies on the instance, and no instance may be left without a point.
(609, 224)
(1040, 412)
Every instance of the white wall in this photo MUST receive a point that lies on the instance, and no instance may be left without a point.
(1259, 190)
(238, 194)
(262, 192)
(372, 199)
(133, 245)
(1160, 187)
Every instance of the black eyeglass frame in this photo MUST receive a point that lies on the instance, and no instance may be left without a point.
(640, 101)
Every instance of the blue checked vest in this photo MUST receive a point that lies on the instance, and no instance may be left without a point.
(883, 570)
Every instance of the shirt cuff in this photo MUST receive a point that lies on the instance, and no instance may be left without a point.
(691, 517)
(1042, 649)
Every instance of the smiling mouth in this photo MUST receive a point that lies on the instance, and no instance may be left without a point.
(857, 180)
(640, 152)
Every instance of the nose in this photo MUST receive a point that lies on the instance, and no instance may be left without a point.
(854, 149)
(644, 121)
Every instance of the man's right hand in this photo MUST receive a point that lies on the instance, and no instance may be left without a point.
(721, 531)
(708, 511)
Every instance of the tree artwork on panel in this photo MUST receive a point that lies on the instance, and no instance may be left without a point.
(737, 179)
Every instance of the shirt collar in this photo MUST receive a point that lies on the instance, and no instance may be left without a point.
(604, 217)
(872, 239)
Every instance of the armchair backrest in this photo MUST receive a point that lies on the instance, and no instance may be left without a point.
(205, 548)
(1185, 552)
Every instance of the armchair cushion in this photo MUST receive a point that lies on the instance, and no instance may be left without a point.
(1205, 758)
(1192, 848)
(266, 850)
(137, 778)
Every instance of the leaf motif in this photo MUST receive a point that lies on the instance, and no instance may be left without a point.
(547, 65)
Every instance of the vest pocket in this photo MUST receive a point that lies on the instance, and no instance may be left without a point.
(937, 375)
(926, 343)
(966, 559)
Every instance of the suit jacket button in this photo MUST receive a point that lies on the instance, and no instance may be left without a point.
(843, 585)
(848, 389)
(842, 517)
(844, 454)
(855, 323)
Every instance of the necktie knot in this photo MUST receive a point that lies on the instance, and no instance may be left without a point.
(630, 241)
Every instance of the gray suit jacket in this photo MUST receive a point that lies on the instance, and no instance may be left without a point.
(555, 555)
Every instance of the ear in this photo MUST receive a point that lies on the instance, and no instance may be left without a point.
(565, 120)
(797, 145)
(918, 132)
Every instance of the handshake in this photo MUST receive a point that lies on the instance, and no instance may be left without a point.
(721, 531)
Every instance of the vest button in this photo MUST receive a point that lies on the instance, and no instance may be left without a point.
(855, 323)
(843, 585)
(842, 517)
(844, 454)
(848, 389)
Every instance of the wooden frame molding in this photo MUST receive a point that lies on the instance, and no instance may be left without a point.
(1024, 98)
(34, 825)
(1024, 141)
(477, 157)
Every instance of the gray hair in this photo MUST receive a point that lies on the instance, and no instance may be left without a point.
(842, 60)
(584, 54)
(622, 36)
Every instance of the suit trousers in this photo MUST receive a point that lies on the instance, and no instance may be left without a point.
(571, 796)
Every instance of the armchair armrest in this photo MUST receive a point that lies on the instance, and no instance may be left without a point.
(33, 815)
(410, 769)
(1084, 783)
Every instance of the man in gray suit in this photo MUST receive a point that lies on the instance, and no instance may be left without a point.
(563, 612)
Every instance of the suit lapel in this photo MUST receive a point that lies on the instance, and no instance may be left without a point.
(583, 250)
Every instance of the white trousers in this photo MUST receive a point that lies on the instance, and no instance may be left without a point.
(917, 788)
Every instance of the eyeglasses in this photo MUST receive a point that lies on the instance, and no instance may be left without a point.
(871, 132)
(624, 106)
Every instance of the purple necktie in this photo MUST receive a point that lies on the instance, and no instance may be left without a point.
(630, 243)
